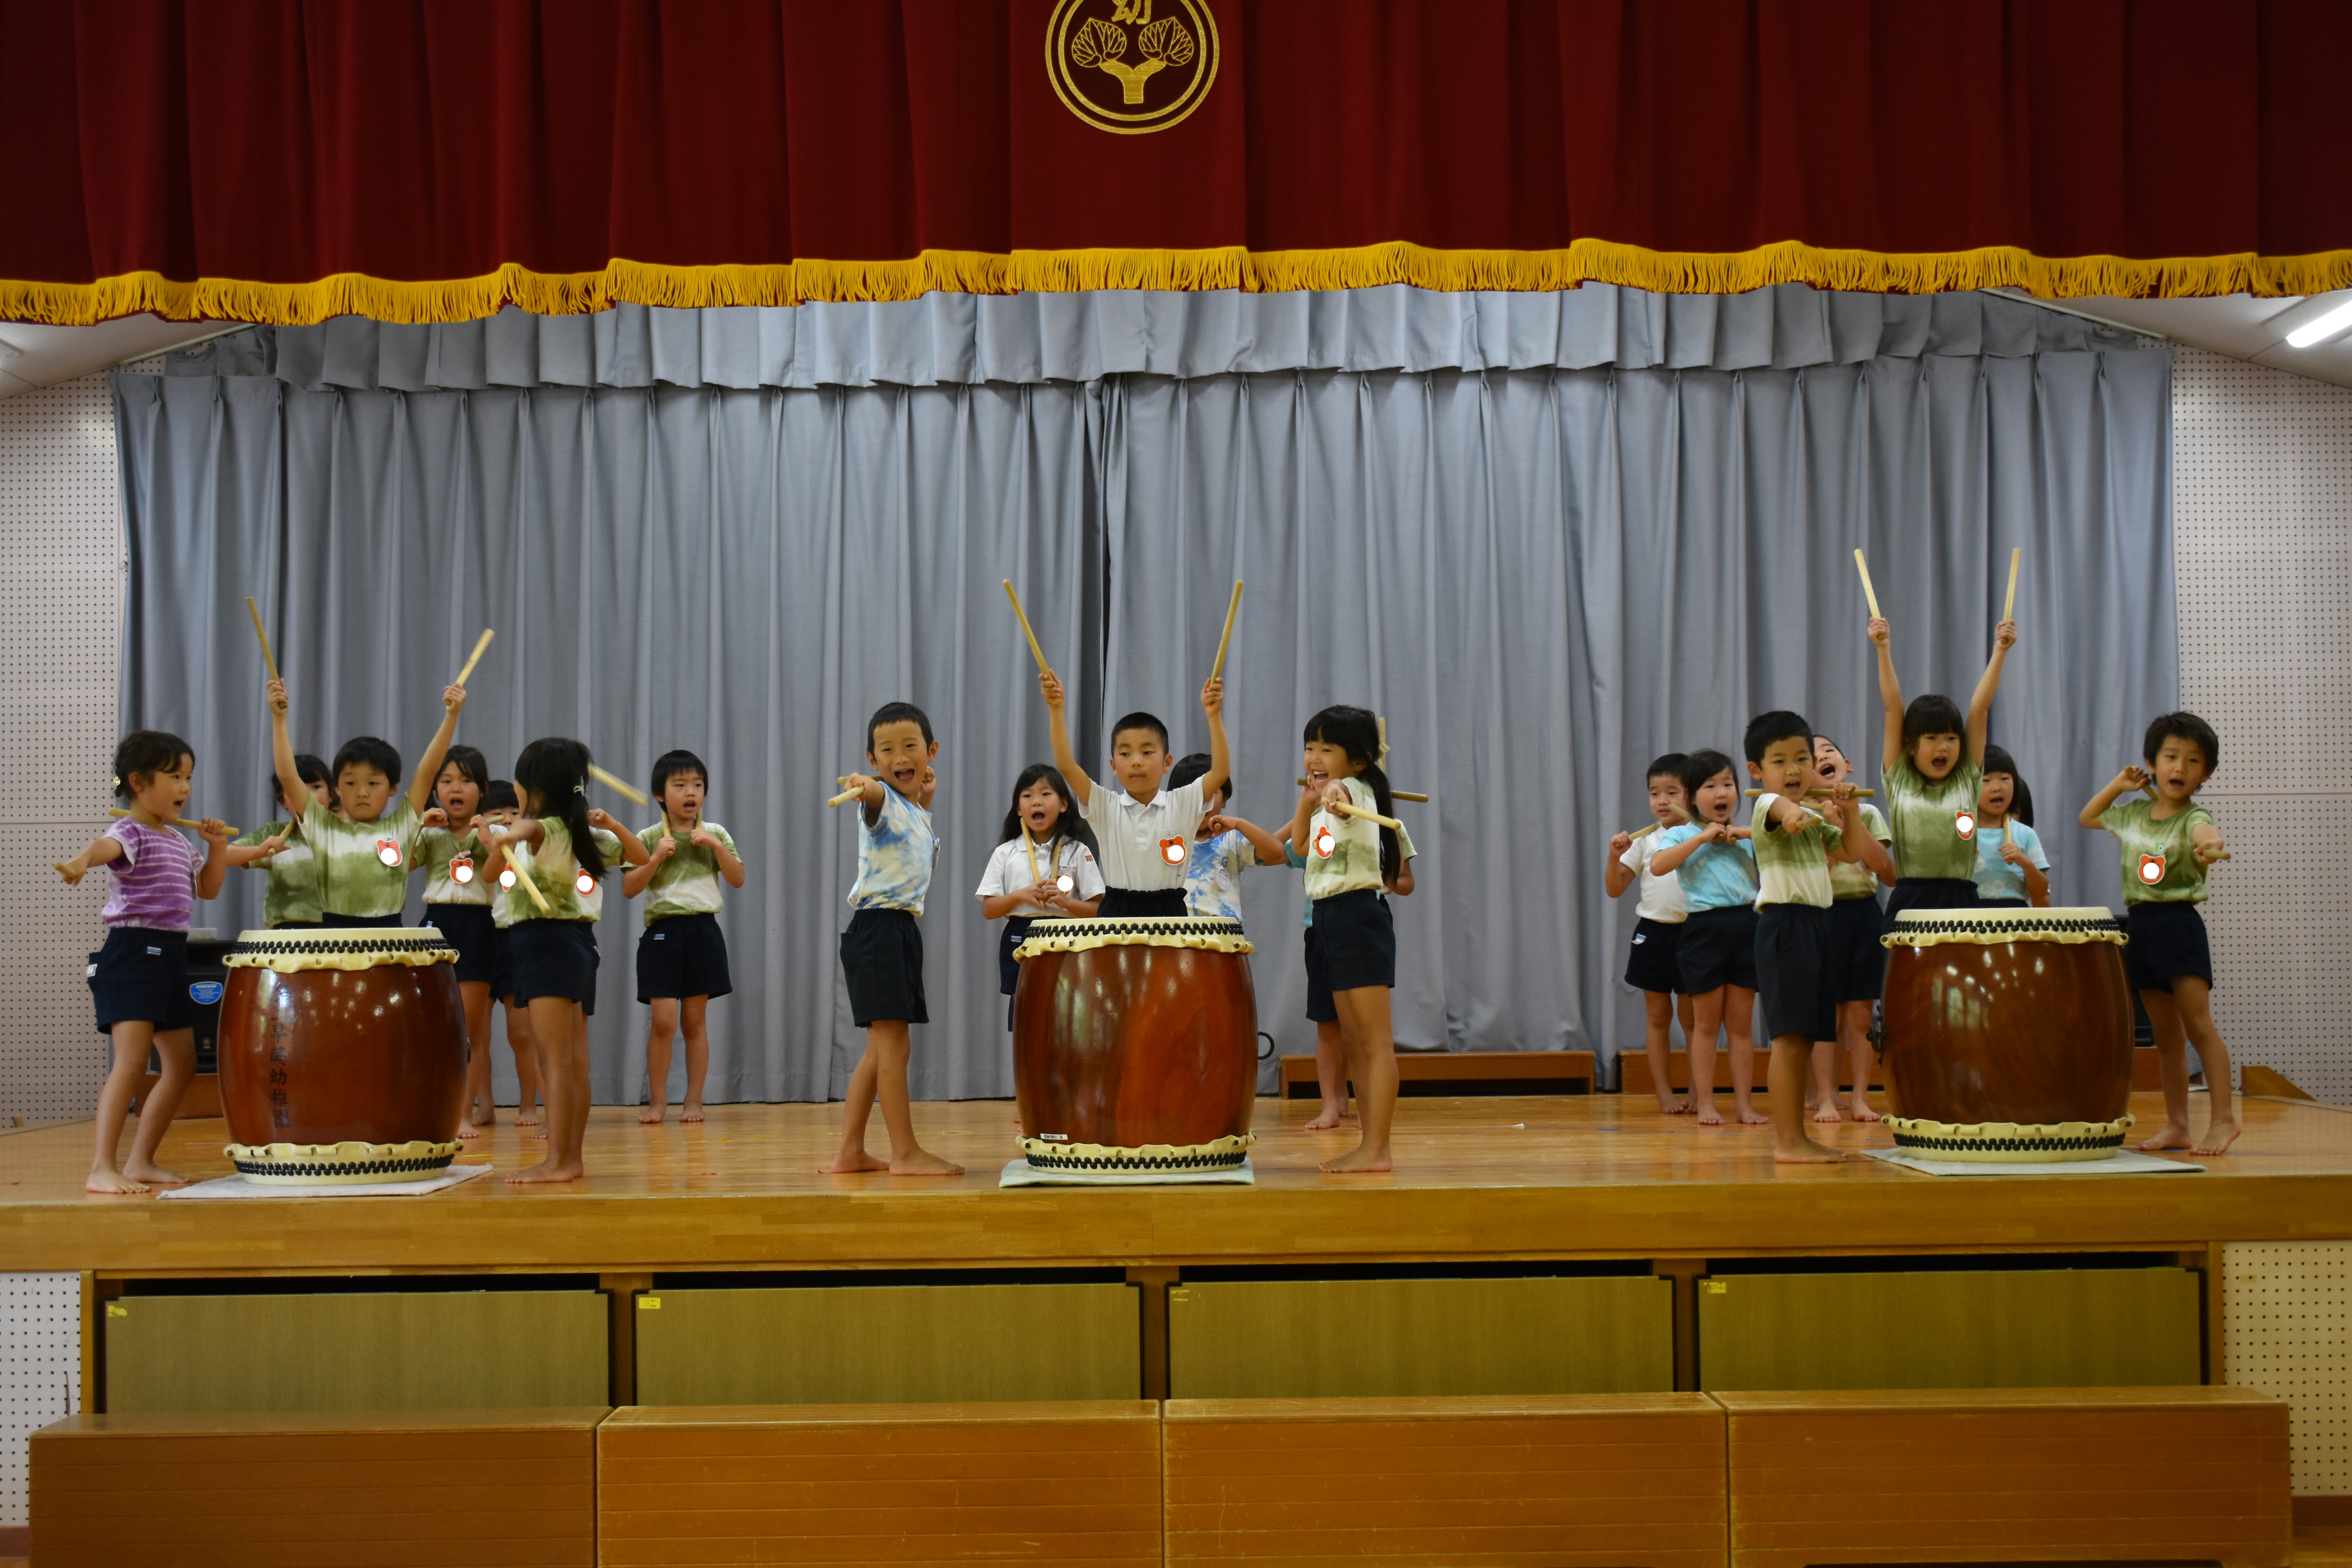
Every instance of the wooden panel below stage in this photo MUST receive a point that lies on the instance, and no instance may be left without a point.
(375, 1488)
(903, 1485)
(1597, 1176)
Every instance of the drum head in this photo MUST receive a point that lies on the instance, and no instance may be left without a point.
(1931, 928)
(359, 947)
(1141, 931)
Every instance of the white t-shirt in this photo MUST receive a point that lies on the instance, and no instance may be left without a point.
(1009, 869)
(1662, 891)
(1135, 834)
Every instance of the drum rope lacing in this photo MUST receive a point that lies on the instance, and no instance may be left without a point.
(1993, 928)
(1140, 930)
(2013, 1142)
(347, 1163)
(365, 948)
(1218, 1154)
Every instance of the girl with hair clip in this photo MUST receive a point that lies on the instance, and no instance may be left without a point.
(2012, 873)
(1931, 769)
(1045, 845)
(458, 904)
(290, 900)
(1351, 937)
(562, 848)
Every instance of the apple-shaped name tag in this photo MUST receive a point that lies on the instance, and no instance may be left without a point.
(1325, 842)
(1067, 882)
(388, 851)
(506, 878)
(1966, 821)
(2151, 869)
(461, 868)
(583, 883)
(1173, 851)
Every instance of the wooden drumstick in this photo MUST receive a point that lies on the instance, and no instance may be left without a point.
(517, 855)
(845, 797)
(479, 647)
(618, 785)
(2008, 831)
(269, 661)
(1393, 795)
(117, 811)
(1868, 592)
(1823, 794)
(1035, 651)
(1231, 611)
(1656, 827)
(2010, 604)
(1348, 808)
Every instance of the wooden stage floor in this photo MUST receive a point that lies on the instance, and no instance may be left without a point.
(1552, 1177)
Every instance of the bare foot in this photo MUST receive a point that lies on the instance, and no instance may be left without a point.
(693, 1112)
(2219, 1136)
(533, 1130)
(1751, 1117)
(1360, 1158)
(1862, 1111)
(149, 1172)
(1828, 1112)
(1805, 1151)
(106, 1179)
(1327, 1119)
(1670, 1106)
(2173, 1135)
(1708, 1116)
(651, 1115)
(548, 1171)
(467, 1130)
(485, 1116)
(844, 1163)
(526, 1117)
(923, 1162)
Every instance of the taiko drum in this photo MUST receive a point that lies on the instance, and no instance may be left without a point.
(342, 1055)
(1135, 1045)
(2008, 1034)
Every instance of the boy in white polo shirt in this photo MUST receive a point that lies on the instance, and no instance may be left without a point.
(1144, 832)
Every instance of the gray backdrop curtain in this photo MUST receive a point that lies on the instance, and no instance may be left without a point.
(1543, 577)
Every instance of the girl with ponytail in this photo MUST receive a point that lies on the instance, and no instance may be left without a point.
(1350, 935)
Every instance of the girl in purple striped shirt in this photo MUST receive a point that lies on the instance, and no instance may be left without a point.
(140, 978)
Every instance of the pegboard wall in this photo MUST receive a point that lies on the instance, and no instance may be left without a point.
(40, 1370)
(61, 574)
(2262, 531)
(2286, 1313)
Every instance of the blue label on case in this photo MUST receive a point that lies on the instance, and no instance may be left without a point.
(205, 992)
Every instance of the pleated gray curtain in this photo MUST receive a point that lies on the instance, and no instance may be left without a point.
(1543, 577)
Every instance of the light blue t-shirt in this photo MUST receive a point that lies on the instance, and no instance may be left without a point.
(894, 856)
(1996, 878)
(1717, 876)
(1213, 876)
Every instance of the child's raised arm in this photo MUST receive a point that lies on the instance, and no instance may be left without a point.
(1221, 759)
(1980, 705)
(214, 871)
(1063, 758)
(1270, 851)
(1890, 690)
(1617, 876)
(103, 850)
(633, 849)
(428, 766)
(640, 872)
(281, 753)
(1671, 856)
(2129, 779)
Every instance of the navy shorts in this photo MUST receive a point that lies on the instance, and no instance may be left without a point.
(2165, 942)
(681, 956)
(333, 922)
(1857, 961)
(882, 960)
(553, 958)
(1928, 893)
(1650, 963)
(141, 976)
(1795, 969)
(1717, 949)
(1351, 945)
(469, 929)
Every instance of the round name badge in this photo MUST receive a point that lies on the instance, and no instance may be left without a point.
(388, 851)
(2151, 869)
(1172, 850)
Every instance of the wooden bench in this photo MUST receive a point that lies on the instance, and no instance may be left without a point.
(1464, 1073)
(358, 1487)
(2009, 1475)
(1568, 1480)
(1075, 1482)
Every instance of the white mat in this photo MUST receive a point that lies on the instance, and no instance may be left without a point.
(1022, 1174)
(2123, 1163)
(238, 1187)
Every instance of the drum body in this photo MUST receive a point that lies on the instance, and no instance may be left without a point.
(2008, 1034)
(342, 1055)
(1135, 1045)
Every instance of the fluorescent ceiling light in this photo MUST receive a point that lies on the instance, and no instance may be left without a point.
(2326, 326)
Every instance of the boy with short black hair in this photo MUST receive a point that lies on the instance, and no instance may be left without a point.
(1797, 964)
(1658, 918)
(882, 951)
(1143, 831)
(2168, 842)
(681, 953)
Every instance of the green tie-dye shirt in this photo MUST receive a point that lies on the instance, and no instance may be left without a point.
(1793, 866)
(1924, 812)
(556, 871)
(1354, 863)
(687, 883)
(292, 893)
(2166, 849)
(354, 877)
(439, 847)
(1852, 879)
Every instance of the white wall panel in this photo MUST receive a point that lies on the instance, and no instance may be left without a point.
(40, 1370)
(2287, 1329)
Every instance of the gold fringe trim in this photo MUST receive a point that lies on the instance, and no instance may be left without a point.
(625, 281)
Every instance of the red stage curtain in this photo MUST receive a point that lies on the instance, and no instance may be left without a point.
(430, 160)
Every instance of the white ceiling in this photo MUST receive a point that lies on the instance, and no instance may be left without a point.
(2238, 324)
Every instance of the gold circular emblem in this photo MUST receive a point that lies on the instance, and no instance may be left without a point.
(1131, 65)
